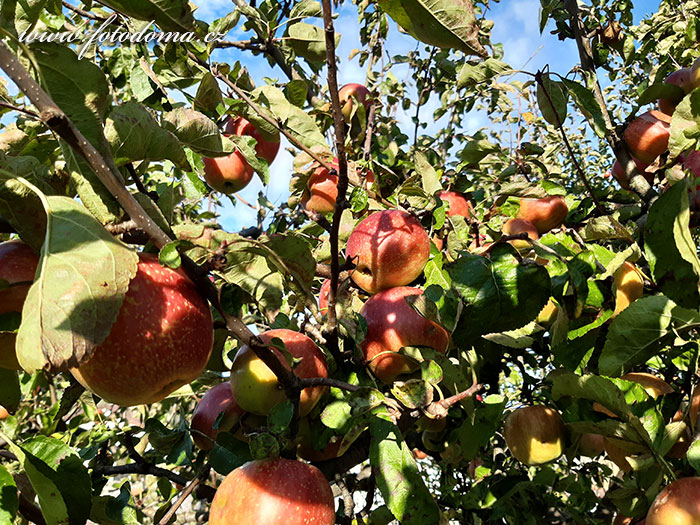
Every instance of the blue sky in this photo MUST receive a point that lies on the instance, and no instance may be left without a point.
(516, 26)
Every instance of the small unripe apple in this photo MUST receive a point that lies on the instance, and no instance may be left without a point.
(389, 248)
(232, 173)
(350, 92)
(534, 434)
(647, 136)
(18, 265)
(458, 205)
(680, 78)
(621, 177)
(545, 213)
(628, 285)
(677, 504)
(255, 386)
(516, 226)
(274, 492)
(322, 189)
(392, 324)
(218, 400)
(161, 340)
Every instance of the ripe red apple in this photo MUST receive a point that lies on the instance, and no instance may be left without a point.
(677, 504)
(458, 205)
(273, 492)
(255, 386)
(232, 173)
(353, 91)
(18, 265)
(647, 136)
(216, 401)
(621, 176)
(323, 296)
(161, 340)
(680, 78)
(534, 434)
(545, 213)
(389, 248)
(516, 226)
(323, 189)
(392, 324)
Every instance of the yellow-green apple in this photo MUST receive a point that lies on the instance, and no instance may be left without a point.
(322, 189)
(647, 136)
(680, 78)
(217, 401)
(392, 324)
(350, 92)
(389, 248)
(255, 386)
(677, 504)
(274, 492)
(458, 205)
(534, 434)
(628, 285)
(516, 226)
(18, 265)
(161, 340)
(545, 214)
(232, 173)
(694, 79)
(621, 176)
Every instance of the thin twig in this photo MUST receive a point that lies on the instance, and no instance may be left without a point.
(19, 109)
(180, 500)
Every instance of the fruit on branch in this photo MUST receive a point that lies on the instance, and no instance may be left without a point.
(677, 504)
(591, 445)
(691, 162)
(621, 177)
(647, 136)
(18, 265)
(255, 386)
(389, 248)
(4, 414)
(545, 213)
(274, 492)
(458, 205)
(694, 79)
(680, 78)
(534, 434)
(324, 296)
(232, 173)
(516, 226)
(628, 285)
(350, 93)
(161, 340)
(322, 189)
(392, 324)
(217, 401)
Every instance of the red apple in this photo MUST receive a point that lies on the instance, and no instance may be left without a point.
(255, 386)
(389, 248)
(677, 504)
(4, 414)
(232, 173)
(621, 176)
(647, 136)
(680, 78)
(218, 400)
(323, 189)
(392, 324)
(691, 162)
(591, 445)
(458, 205)
(18, 265)
(545, 213)
(273, 492)
(161, 340)
(323, 296)
(516, 226)
(353, 91)
(534, 434)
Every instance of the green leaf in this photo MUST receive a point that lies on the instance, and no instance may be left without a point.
(591, 387)
(228, 453)
(429, 177)
(470, 75)
(605, 228)
(307, 8)
(208, 95)
(83, 276)
(169, 15)
(10, 393)
(169, 254)
(280, 417)
(308, 41)
(19, 205)
(641, 331)
(9, 502)
(670, 248)
(442, 23)
(397, 475)
(685, 125)
(661, 90)
(585, 101)
(246, 146)
(135, 135)
(552, 100)
(476, 432)
(297, 90)
(198, 132)
(414, 393)
(693, 455)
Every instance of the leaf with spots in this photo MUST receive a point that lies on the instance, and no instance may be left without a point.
(83, 275)
(397, 475)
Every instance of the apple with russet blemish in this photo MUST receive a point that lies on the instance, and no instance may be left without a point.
(392, 324)
(517, 226)
(647, 135)
(217, 401)
(534, 434)
(389, 248)
(350, 93)
(232, 173)
(161, 340)
(256, 388)
(545, 213)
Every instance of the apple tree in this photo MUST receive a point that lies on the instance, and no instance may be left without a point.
(440, 325)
